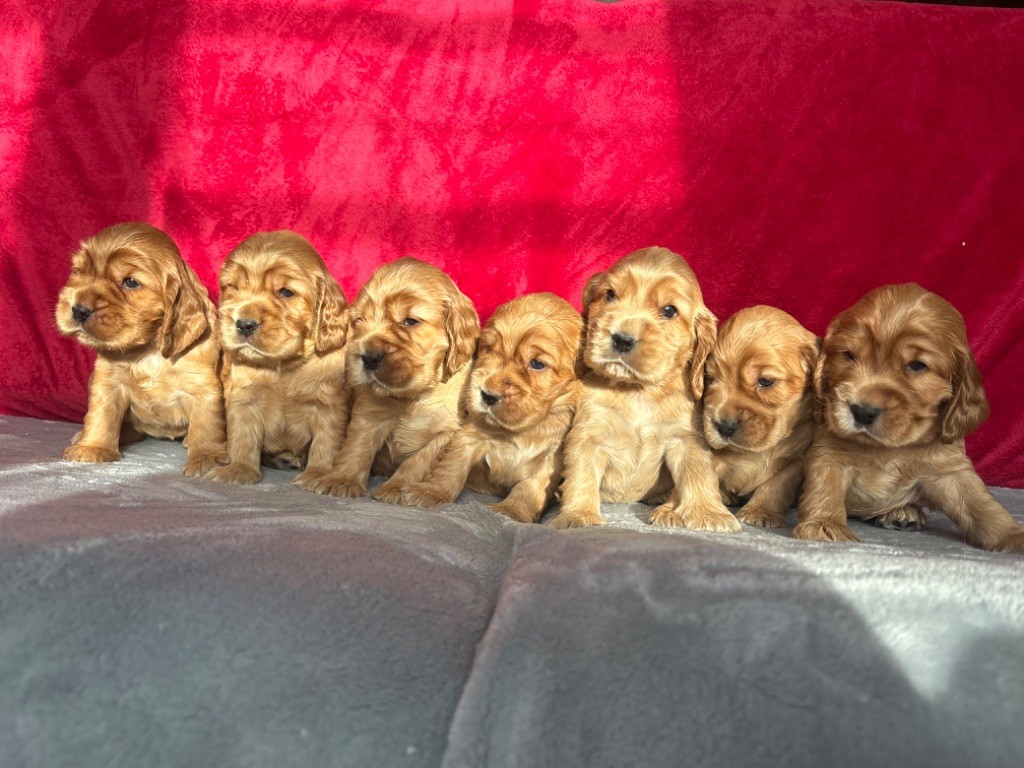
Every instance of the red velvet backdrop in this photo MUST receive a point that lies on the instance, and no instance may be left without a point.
(798, 153)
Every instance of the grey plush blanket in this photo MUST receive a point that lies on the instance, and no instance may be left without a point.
(148, 619)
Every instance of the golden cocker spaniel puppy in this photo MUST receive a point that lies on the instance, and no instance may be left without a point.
(898, 390)
(134, 300)
(283, 322)
(518, 402)
(637, 433)
(413, 334)
(758, 411)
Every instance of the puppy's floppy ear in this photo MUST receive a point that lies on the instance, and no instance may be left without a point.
(588, 292)
(809, 355)
(822, 387)
(462, 327)
(968, 408)
(705, 331)
(186, 312)
(330, 316)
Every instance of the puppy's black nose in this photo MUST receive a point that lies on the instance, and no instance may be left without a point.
(864, 415)
(489, 398)
(371, 360)
(622, 342)
(246, 327)
(80, 313)
(727, 427)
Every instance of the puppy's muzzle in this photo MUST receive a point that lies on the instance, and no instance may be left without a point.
(246, 327)
(864, 414)
(623, 343)
(727, 427)
(490, 399)
(372, 359)
(81, 313)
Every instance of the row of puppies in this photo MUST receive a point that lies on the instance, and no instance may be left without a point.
(894, 388)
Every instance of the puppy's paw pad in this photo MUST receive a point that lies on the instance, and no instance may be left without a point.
(666, 517)
(238, 474)
(824, 531)
(903, 519)
(565, 520)
(1014, 544)
(90, 454)
(762, 517)
(710, 518)
(513, 512)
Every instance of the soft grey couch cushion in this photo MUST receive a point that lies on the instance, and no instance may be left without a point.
(151, 619)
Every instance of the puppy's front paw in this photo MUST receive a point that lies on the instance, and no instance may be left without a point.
(567, 519)
(514, 512)
(338, 485)
(424, 496)
(709, 517)
(823, 530)
(755, 514)
(902, 519)
(90, 454)
(239, 474)
(199, 464)
(391, 493)
(1014, 544)
(308, 478)
(666, 517)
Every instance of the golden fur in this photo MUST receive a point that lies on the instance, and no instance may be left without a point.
(413, 334)
(902, 352)
(283, 322)
(518, 403)
(758, 396)
(637, 433)
(151, 323)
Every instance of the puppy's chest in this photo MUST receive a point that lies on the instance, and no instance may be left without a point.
(421, 423)
(507, 463)
(634, 427)
(879, 487)
(160, 395)
(741, 474)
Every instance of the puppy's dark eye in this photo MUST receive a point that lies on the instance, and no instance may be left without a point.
(765, 383)
(537, 365)
(610, 296)
(130, 282)
(286, 293)
(850, 356)
(669, 312)
(916, 366)
(409, 322)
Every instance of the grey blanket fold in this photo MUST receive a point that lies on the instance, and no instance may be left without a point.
(151, 619)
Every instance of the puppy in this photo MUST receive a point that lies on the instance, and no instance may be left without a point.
(638, 433)
(131, 298)
(898, 390)
(758, 398)
(519, 401)
(283, 322)
(413, 336)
